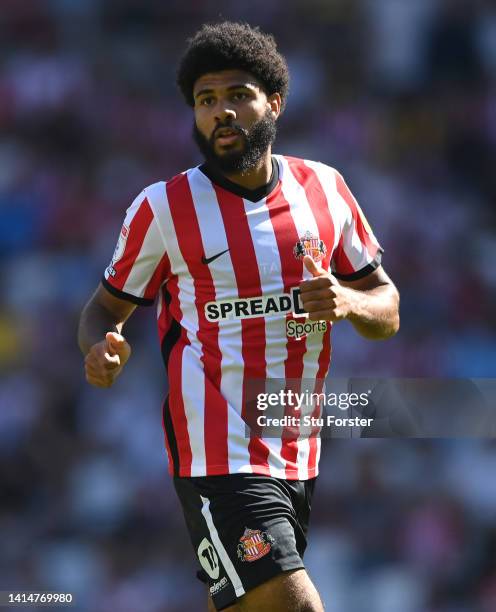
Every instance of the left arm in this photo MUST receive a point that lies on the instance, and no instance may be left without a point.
(373, 305)
(370, 303)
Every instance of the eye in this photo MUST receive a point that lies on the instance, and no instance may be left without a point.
(239, 96)
(207, 101)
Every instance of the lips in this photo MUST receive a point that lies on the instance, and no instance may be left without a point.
(226, 136)
(227, 140)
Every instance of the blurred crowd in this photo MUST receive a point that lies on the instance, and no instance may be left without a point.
(400, 96)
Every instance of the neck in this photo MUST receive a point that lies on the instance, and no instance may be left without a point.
(255, 177)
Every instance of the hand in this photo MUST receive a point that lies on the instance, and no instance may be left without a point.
(322, 296)
(105, 360)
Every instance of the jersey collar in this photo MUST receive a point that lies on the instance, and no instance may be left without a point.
(254, 195)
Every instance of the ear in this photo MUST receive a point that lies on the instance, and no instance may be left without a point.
(274, 103)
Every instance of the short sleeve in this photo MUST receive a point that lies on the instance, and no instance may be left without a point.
(358, 252)
(139, 264)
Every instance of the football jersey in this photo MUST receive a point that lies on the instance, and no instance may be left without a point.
(224, 264)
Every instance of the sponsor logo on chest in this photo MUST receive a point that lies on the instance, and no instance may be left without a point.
(248, 308)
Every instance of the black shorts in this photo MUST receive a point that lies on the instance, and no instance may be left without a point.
(245, 529)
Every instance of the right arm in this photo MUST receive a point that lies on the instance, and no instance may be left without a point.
(99, 337)
(138, 269)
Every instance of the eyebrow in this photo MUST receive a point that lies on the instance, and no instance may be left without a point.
(203, 92)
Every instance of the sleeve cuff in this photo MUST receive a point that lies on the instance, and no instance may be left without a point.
(126, 296)
(368, 269)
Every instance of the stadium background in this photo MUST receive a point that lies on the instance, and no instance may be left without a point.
(398, 95)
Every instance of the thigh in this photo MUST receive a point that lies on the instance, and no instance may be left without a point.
(288, 592)
(243, 529)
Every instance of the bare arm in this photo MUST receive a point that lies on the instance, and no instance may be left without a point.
(100, 339)
(370, 303)
(374, 305)
(103, 313)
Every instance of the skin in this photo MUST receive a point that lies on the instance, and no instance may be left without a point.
(291, 591)
(371, 303)
(99, 336)
(234, 96)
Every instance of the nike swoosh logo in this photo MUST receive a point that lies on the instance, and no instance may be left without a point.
(208, 260)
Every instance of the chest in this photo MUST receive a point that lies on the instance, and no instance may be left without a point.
(246, 248)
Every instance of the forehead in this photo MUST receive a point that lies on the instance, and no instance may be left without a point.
(224, 79)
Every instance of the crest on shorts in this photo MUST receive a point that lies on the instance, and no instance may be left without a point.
(254, 544)
(309, 244)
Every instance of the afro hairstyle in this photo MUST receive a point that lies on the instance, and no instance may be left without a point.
(231, 45)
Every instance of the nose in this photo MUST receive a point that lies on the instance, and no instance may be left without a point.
(224, 114)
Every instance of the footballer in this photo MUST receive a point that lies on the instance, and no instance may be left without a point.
(250, 257)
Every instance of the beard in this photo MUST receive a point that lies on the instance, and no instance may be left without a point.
(256, 142)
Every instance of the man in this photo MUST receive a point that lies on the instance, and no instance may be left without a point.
(239, 250)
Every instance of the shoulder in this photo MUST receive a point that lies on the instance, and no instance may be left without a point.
(165, 183)
(299, 166)
(302, 163)
(156, 193)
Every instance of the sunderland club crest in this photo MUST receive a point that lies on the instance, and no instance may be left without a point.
(312, 245)
(254, 544)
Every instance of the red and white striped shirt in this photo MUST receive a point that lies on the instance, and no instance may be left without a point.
(225, 265)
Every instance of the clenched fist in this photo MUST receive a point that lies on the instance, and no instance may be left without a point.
(322, 296)
(105, 360)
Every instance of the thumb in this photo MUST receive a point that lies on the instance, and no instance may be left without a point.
(115, 342)
(312, 267)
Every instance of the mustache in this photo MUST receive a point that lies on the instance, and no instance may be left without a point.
(232, 126)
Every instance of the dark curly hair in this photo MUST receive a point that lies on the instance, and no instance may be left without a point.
(232, 45)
